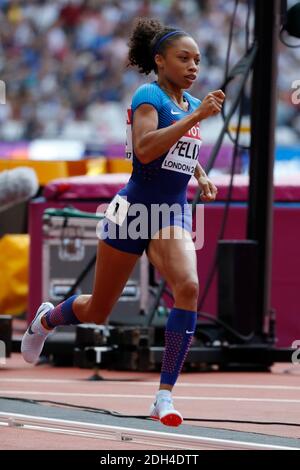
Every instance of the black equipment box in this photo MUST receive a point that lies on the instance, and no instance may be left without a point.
(5, 337)
(69, 253)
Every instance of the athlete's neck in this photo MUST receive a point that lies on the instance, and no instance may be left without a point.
(175, 93)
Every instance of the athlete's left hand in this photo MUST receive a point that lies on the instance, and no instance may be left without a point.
(209, 190)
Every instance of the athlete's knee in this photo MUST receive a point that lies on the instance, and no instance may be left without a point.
(187, 290)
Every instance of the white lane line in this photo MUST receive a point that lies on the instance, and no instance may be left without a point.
(145, 384)
(100, 431)
(122, 396)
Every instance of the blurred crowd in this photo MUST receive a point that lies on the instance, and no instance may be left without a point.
(64, 63)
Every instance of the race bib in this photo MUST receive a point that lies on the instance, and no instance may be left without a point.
(117, 210)
(128, 147)
(183, 156)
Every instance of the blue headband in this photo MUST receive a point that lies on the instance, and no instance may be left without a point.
(163, 38)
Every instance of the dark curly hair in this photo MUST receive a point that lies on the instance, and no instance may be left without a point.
(144, 37)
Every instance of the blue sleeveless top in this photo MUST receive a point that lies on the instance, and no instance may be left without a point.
(169, 174)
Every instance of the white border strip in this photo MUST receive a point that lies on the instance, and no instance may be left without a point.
(17, 394)
(127, 434)
(147, 384)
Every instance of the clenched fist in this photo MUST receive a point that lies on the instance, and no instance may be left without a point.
(211, 105)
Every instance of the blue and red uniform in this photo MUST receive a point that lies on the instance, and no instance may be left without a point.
(160, 182)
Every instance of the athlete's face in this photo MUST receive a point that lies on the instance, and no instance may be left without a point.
(180, 62)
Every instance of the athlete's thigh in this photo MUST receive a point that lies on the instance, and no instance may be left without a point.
(175, 258)
(113, 268)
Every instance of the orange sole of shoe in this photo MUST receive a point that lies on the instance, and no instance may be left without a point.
(171, 420)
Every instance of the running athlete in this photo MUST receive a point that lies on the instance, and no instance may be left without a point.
(163, 142)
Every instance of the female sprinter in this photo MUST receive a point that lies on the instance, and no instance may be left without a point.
(165, 143)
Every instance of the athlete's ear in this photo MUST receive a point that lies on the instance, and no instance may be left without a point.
(159, 60)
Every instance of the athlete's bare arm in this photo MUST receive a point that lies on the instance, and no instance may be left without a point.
(149, 143)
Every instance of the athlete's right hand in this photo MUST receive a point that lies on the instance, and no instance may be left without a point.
(211, 105)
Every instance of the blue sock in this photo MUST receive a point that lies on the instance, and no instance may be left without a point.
(62, 314)
(179, 333)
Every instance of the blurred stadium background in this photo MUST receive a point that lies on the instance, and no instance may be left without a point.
(67, 84)
(64, 67)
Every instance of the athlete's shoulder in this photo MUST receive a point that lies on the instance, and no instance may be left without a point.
(148, 93)
(151, 87)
